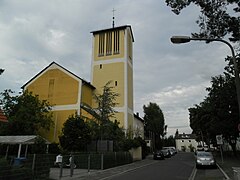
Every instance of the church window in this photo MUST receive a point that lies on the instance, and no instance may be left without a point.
(109, 43)
(50, 88)
(101, 44)
(116, 42)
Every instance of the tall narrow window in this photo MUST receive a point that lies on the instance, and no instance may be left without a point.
(109, 43)
(50, 88)
(116, 42)
(100, 66)
(101, 44)
(116, 83)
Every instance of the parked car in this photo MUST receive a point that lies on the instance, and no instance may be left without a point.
(166, 153)
(205, 159)
(158, 155)
(172, 150)
(200, 148)
(206, 148)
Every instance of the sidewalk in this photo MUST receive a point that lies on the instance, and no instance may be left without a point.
(105, 174)
(228, 163)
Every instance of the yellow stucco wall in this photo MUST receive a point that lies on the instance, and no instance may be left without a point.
(87, 94)
(129, 47)
(130, 87)
(130, 121)
(119, 116)
(87, 97)
(60, 88)
(110, 72)
(57, 87)
(59, 117)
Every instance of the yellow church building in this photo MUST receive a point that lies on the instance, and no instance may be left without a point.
(112, 60)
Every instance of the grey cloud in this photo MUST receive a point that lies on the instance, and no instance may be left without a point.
(35, 33)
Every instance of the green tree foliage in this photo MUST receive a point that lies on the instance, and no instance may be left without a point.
(106, 103)
(169, 141)
(75, 134)
(218, 113)
(218, 18)
(26, 113)
(39, 146)
(102, 126)
(154, 122)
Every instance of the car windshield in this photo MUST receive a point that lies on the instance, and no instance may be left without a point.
(204, 154)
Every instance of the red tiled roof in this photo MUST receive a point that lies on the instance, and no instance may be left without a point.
(3, 118)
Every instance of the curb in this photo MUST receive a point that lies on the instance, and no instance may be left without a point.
(223, 172)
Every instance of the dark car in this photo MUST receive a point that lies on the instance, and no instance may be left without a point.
(158, 155)
(205, 159)
(166, 153)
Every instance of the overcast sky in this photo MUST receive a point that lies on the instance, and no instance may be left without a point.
(33, 33)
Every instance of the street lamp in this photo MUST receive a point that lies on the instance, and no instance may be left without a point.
(186, 39)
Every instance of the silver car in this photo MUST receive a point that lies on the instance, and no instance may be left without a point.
(205, 159)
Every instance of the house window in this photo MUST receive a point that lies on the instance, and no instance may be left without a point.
(182, 140)
(100, 66)
(109, 43)
(101, 44)
(115, 83)
(116, 42)
(189, 140)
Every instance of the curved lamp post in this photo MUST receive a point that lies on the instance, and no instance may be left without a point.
(186, 39)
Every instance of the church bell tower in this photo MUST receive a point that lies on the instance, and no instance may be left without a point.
(112, 60)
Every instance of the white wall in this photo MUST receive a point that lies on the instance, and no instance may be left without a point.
(185, 143)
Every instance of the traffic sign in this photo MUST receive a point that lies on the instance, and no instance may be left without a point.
(219, 139)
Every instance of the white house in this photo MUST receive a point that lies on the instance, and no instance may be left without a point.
(186, 142)
(138, 126)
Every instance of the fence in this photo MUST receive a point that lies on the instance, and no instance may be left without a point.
(42, 166)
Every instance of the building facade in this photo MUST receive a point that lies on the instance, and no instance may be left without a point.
(64, 91)
(112, 60)
(186, 142)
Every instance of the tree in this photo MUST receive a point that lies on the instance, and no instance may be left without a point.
(218, 17)
(104, 113)
(218, 113)
(26, 114)
(106, 103)
(102, 126)
(169, 141)
(75, 134)
(154, 122)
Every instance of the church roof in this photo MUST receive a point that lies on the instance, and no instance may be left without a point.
(61, 67)
(117, 28)
(3, 118)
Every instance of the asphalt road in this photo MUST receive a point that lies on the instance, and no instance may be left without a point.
(209, 173)
(180, 166)
(177, 167)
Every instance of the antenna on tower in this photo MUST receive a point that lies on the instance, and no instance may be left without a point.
(113, 17)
